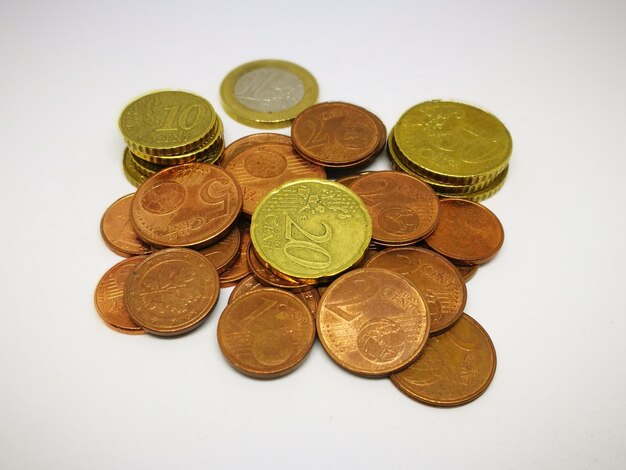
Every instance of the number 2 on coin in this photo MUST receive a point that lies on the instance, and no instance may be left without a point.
(311, 245)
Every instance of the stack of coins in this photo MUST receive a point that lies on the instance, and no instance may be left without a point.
(459, 150)
(168, 128)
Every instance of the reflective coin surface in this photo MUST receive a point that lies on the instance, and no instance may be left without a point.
(467, 233)
(454, 368)
(172, 291)
(404, 209)
(118, 232)
(372, 321)
(252, 140)
(266, 333)
(223, 253)
(109, 297)
(187, 205)
(435, 277)
(239, 267)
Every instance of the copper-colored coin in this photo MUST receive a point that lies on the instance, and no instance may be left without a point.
(263, 167)
(223, 253)
(172, 291)
(266, 333)
(404, 209)
(437, 279)
(109, 296)
(267, 277)
(252, 140)
(349, 179)
(336, 134)
(239, 268)
(454, 368)
(467, 271)
(118, 232)
(372, 321)
(467, 233)
(126, 331)
(188, 205)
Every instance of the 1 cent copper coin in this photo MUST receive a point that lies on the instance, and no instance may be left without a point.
(468, 232)
(436, 278)
(118, 232)
(263, 167)
(172, 291)
(109, 297)
(372, 321)
(266, 333)
(223, 253)
(187, 205)
(252, 140)
(404, 209)
(239, 268)
(454, 368)
(336, 134)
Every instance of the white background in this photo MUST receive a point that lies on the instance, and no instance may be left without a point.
(74, 394)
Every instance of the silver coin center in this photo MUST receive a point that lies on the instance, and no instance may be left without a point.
(269, 89)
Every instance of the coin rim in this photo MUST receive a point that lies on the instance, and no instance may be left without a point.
(115, 249)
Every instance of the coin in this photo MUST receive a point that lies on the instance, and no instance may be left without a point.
(267, 93)
(239, 268)
(223, 253)
(467, 271)
(467, 233)
(480, 195)
(167, 122)
(311, 229)
(252, 140)
(188, 205)
(266, 333)
(435, 277)
(118, 232)
(337, 134)
(404, 210)
(172, 291)
(263, 167)
(454, 368)
(266, 276)
(109, 297)
(310, 296)
(349, 179)
(372, 321)
(453, 142)
(133, 175)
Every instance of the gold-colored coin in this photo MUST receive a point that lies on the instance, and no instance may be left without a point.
(167, 122)
(267, 93)
(453, 142)
(485, 193)
(133, 175)
(208, 152)
(311, 229)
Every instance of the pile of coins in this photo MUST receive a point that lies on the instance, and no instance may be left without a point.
(459, 150)
(373, 264)
(168, 128)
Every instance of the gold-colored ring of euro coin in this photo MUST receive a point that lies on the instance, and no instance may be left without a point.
(167, 122)
(453, 142)
(400, 163)
(267, 93)
(133, 175)
(485, 193)
(311, 229)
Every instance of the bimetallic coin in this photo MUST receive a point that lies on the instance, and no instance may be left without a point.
(188, 205)
(267, 277)
(453, 142)
(167, 122)
(311, 229)
(404, 210)
(263, 167)
(468, 232)
(435, 277)
(267, 93)
(252, 140)
(336, 134)
(372, 321)
(118, 232)
(109, 297)
(172, 291)
(266, 333)
(454, 368)
(239, 268)
(223, 253)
